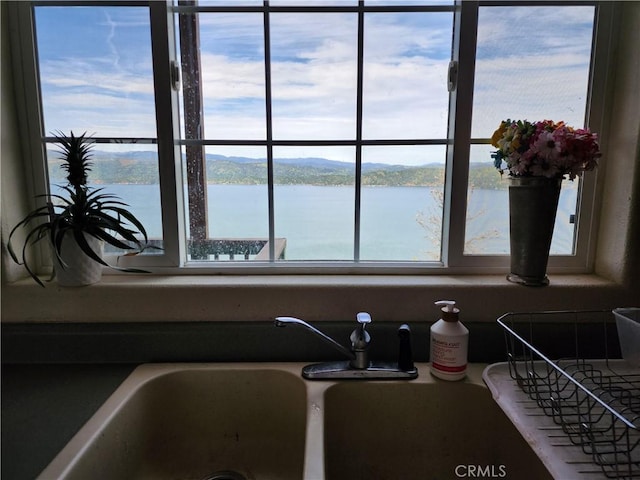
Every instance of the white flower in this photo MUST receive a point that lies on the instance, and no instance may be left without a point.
(547, 147)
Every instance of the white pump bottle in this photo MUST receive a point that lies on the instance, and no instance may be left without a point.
(449, 344)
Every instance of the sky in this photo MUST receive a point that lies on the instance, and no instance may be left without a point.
(532, 62)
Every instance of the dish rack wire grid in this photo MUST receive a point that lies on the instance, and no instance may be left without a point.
(596, 402)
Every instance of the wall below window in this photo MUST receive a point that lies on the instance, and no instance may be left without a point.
(120, 298)
(135, 342)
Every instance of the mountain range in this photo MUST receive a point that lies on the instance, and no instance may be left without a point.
(142, 168)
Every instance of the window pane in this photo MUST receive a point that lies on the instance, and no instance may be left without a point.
(395, 3)
(313, 64)
(487, 223)
(313, 3)
(232, 79)
(128, 171)
(314, 201)
(96, 77)
(402, 199)
(406, 58)
(96, 70)
(236, 202)
(230, 3)
(544, 77)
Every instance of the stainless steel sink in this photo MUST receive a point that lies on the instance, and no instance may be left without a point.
(420, 430)
(192, 422)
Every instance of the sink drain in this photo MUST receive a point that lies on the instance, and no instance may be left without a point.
(226, 475)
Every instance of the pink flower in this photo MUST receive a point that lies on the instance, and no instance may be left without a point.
(546, 148)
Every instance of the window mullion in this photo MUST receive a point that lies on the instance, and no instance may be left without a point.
(358, 166)
(269, 132)
(167, 115)
(460, 110)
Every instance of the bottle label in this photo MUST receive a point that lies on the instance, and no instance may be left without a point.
(445, 368)
(449, 354)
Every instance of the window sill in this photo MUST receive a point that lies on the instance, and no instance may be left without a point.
(396, 298)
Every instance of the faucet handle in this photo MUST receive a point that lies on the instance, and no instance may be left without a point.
(360, 338)
(405, 357)
(363, 319)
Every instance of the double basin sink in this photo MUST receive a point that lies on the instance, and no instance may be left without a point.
(263, 421)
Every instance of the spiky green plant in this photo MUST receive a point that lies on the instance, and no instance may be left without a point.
(86, 211)
(76, 154)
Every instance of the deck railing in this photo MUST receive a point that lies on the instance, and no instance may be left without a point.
(231, 248)
(222, 249)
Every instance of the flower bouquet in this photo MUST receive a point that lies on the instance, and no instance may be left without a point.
(544, 149)
(538, 156)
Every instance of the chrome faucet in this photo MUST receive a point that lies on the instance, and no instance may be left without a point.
(358, 365)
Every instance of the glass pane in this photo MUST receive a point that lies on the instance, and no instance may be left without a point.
(543, 77)
(230, 3)
(402, 200)
(314, 201)
(128, 171)
(313, 64)
(548, 78)
(562, 242)
(235, 209)
(313, 3)
(396, 3)
(96, 70)
(487, 225)
(406, 58)
(231, 79)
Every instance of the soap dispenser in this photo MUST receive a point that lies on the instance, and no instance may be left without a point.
(449, 343)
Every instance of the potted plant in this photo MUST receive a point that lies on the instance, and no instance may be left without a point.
(538, 156)
(77, 225)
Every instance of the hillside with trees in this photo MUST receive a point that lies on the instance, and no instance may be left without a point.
(142, 168)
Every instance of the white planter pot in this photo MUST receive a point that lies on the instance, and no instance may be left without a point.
(80, 269)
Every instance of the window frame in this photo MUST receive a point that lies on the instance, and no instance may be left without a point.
(453, 260)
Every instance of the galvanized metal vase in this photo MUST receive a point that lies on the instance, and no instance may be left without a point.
(533, 202)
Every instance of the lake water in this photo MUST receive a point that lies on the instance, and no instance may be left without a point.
(398, 223)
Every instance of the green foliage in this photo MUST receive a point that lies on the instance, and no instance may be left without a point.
(138, 168)
(84, 211)
(76, 153)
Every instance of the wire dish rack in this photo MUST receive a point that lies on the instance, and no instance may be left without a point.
(577, 404)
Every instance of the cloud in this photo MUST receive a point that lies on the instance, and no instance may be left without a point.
(226, 78)
(539, 29)
(74, 73)
(539, 73)
(109, 40)
(314, 75)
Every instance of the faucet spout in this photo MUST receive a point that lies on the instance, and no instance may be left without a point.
(284, 321)
(358, 366)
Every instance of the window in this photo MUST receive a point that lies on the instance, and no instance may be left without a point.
(101, 83)
(333, 135)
